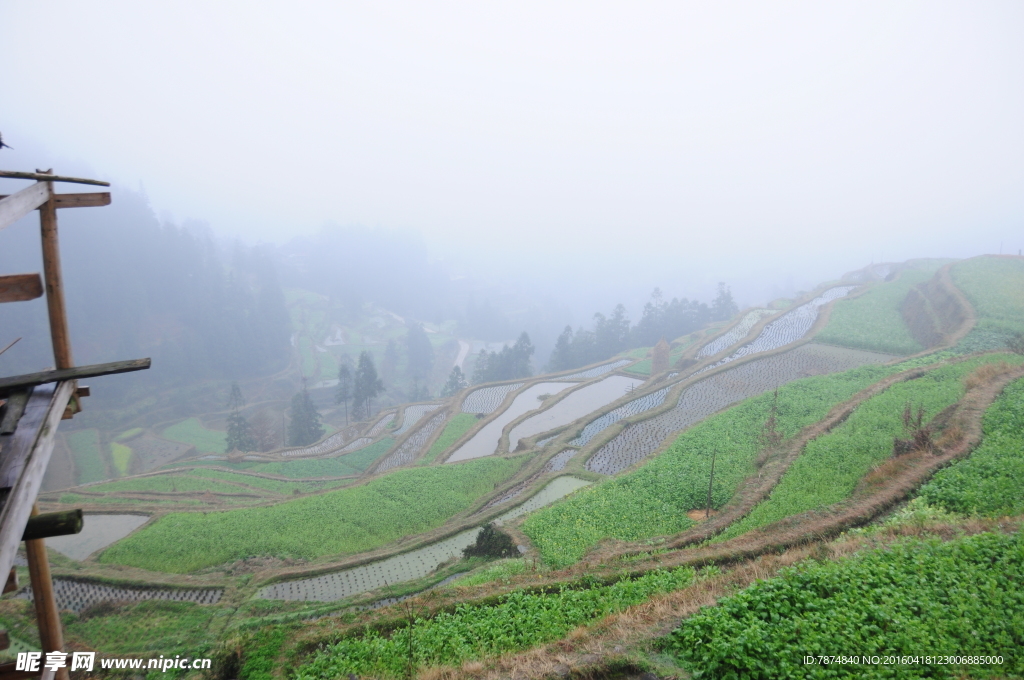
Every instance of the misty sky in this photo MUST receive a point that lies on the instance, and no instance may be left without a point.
(639, 144)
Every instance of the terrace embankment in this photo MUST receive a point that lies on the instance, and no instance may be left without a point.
(936, 312)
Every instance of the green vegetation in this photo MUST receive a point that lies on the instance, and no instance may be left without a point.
(85, 449)
(995, 287)
(500, 570)
(172, 483)
(262, 652)
(345, 465)
(518, 621)
(873, 321)
(122, 457)
(128, 434)
(456, 427)
(346, 521)
(653, 500)
(78, 499)
(157, 626)
(271, 485)
(192, 432)
(831, 466)
(991, 481)
(920, 597)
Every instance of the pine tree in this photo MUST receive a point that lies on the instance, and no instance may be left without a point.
(456, 383)
(239, 433)
(305, 427)
(262, 431)
(724, 307)
(421, 352)
(344, 393)
(562, 356)
(366, 385)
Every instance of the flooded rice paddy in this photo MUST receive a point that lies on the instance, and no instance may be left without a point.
(598, 370)
(407, 566)
(98, 531)
(575, 405)
(485, 442)
(77, 596)
(714, 393)
(413, 415)
(406, 453)
(488, 399)
(735, 334)
(644, 403)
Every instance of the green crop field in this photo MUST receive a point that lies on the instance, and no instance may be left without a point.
(346, 521)
(85, 449)
(832, 465)
(192, 432)
(995, 287)
(128, 434)
(519, 620)
(182, 483)
(919, 597)
(122, 457)
(872, 321)
(991, 480)
(345, 465)
(653, 500)
(456, 427)
(154, 626)
(271, 485)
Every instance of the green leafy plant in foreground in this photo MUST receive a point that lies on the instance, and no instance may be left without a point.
(991, 480)
(518, 621)
(919, 597)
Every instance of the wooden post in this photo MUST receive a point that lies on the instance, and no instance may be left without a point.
(54, 282)
(50, 634)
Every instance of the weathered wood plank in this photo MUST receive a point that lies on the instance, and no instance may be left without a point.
(20, 287)
(92, 199)
(23, 460)
(55, 305)
(15, 382)
(16, 206)
(47, 177)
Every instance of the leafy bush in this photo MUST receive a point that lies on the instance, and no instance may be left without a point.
(346, 521)
(991, 481)
(920, 597)
(491, 542)
(518, 621)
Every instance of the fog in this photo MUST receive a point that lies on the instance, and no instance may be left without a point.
(562, 158)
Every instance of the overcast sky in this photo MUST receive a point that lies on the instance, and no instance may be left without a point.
(781, 141)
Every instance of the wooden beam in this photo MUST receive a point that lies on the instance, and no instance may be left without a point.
(15, 382)
(16, 206)
(93, 199)
(53, 524)
(55, 306)
(26, 454)
(5, 640)
(48, 177)
(8, 672)
(20, 287)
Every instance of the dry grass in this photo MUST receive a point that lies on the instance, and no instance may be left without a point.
(985, 374)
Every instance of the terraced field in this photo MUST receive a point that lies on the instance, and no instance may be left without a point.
(486, 441)
(382, 424)
(790, 327)
(412, 416)
(488, 399)
(192, 432)
(635, 407)
(407, 566)
(405, 453)
(575, 405)
(708, 396)
(873, 321)
(459, 425)
(78, 595)
(597, 370)
(830, 466)
(735, 334)
(991, 481)
(346, 521)
(98, 531)
(322, 447)
(995, 288)
(654, 499)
